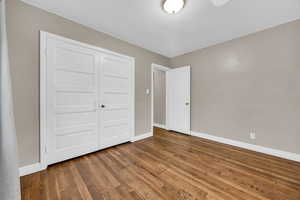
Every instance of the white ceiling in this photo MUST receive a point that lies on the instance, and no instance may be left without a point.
(198, 25)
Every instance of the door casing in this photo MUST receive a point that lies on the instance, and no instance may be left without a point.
(168, 87)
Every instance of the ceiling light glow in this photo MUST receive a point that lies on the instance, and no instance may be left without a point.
(219, 2)
(173, 6)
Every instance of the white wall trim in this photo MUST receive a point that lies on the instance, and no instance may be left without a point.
(160, 67)
(160, 125)
(261, 149)
(43, 103)
(86, 45)
(30, 169)
(141, 137)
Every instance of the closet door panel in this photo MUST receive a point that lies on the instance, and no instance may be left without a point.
(71, 97)
(116, 107)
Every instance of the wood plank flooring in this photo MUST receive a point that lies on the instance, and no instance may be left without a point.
(168, 166)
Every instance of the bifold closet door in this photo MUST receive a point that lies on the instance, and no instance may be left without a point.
(116, 100)
(71, 100)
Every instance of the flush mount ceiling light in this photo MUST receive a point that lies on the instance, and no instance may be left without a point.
(219, 2)
(173, 6)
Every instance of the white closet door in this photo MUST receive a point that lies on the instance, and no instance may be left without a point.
(116, 100)
(71, 100)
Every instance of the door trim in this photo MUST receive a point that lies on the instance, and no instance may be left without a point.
(161, 68)
(44, 36)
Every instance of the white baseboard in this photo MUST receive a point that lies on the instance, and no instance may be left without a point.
(141, 137)
(30, 169)
(261, 149)
(160, 126)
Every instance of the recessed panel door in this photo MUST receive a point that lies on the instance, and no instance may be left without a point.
(116, 100)
(178, 99)
(71, 101)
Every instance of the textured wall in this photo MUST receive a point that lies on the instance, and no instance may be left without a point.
(249, 84)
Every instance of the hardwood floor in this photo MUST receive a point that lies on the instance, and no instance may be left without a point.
(168, 166)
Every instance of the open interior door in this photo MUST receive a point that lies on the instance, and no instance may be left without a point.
(178, 100)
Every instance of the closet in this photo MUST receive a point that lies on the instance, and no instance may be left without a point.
(87, 98)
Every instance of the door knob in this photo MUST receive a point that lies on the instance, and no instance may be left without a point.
(102, 106)
(187, 103)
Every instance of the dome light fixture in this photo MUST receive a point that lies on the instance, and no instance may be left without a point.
(173, 6)
(219, 2)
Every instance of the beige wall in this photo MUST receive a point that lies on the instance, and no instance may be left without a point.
(159, 97)
(249, 84)
(24, 23)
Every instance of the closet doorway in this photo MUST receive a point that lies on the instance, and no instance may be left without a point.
(87, 99)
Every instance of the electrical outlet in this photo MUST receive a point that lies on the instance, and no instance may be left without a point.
(252, 135)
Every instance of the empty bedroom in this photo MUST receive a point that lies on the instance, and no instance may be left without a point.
(150, 100)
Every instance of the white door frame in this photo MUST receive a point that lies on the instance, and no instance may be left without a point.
(161, 68)
(44, 36)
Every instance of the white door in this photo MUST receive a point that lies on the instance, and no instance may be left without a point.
(178, 99)
(116, 101)
(87, 99)
(71, 97)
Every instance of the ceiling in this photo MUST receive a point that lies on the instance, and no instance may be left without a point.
(198, 25)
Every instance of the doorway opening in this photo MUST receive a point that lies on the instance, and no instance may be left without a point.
(170, 98)
(159, 96)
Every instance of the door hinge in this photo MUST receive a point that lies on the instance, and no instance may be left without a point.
(46, 150)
